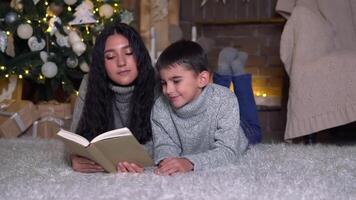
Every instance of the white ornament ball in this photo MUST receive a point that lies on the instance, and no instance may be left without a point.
(24, 31)
(106, 11)
(79, 48)
(49, 69)
(44, 56)
(70, 2)
(73, 37)
(36, 45)
(72, 62)
(84, 67)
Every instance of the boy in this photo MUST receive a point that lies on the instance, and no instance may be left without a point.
(195, 124)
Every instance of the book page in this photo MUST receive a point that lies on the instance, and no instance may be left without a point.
(112, 134)
(73, 137)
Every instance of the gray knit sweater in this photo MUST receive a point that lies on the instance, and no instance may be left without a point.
(121, 104)
(206, 131)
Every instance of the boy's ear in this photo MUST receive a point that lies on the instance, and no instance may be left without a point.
(204, 78)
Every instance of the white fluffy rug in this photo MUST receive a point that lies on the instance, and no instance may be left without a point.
(36, 169)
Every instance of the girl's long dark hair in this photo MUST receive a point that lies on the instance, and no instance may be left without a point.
(97, 116)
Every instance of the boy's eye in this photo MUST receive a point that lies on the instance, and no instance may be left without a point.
(176, 81)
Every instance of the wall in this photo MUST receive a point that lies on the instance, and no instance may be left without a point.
(246, 25)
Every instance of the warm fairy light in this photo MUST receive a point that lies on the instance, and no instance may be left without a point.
(41, 77)
(46, 3)
(20, 76)
(97, 21)
(258, 94)
(96, 9)
(87, 29)
(63, 82)
(2, 67)
(69, 8)
(7, 32)
(44, 19)
(116, 5)
(27, 71)
(49, 29)
(6, 75)
(76, 93)
(264, 95)
(29, 21)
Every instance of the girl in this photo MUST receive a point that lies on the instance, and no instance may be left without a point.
(118, 92)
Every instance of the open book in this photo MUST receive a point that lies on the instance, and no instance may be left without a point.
(109, 148)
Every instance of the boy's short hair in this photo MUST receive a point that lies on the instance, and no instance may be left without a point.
(183, 52)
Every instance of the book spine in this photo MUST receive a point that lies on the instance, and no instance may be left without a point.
(101, 159)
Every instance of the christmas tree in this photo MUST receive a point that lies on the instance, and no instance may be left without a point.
(49, 42)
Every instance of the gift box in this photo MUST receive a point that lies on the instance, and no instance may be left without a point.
(15, 117)
(47, 127)
(54, 109)
(53, 116)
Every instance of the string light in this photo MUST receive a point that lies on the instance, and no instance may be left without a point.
(2, 67)
(63, 83)
(20, 76)
(69, 9)
(41, 77)
(27, 71)
(7, 75)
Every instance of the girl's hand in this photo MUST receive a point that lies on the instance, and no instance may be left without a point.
(172, 166)
(81, 164)
(129, 167)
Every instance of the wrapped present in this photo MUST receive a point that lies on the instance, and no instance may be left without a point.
(15, 117)
(47, 127)
(53, 116)
(55, 109)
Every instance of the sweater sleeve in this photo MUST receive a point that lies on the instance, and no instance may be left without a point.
(229, 139)
(164, 142)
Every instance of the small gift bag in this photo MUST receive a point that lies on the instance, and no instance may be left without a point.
(47, 127)
(15, 117)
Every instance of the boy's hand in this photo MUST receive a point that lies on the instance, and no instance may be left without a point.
(171, 166)
(84, 165)
(129, 167)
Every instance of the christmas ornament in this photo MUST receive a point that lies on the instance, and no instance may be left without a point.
(10, 50)
(84, 67)
(72, 62)
(73, 37)
(35, 44)
(70, 2)
(3, 41)
(126, 17)
(62, 40)
(51, 24)
(17, 5)
(84, 14)
(49, 69)
(79, 48)
(11, 18)
(24, 31)
(55, 8)
(44, 56)
(106, 11)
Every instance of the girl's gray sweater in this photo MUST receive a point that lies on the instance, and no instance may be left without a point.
(206, 131)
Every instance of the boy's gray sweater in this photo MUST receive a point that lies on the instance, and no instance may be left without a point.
(206, 131)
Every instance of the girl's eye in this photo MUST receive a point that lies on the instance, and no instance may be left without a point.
(163, 83)
(129, 53)
(109, 56)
